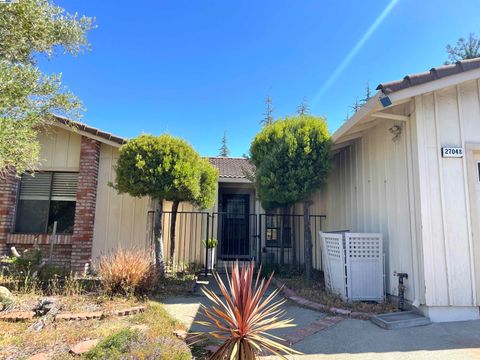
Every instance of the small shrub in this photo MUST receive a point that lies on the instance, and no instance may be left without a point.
(126, 272)
(160, 348)
(243, 319)
(113, 346)
(73, 286)
(210, 243)
(132, 345)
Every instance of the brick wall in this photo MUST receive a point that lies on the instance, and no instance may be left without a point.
(86, 201)
(8, 199)
(61, 253)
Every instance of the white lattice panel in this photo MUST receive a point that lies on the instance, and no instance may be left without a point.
(364, 260)
(334, 263)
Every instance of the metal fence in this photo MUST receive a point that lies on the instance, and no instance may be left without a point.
(269, 239)
(282, 240)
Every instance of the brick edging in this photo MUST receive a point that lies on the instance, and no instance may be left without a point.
(293, 296)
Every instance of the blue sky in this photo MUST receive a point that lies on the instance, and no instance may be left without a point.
(196, 68)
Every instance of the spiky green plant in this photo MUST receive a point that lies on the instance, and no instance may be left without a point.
(242, 321)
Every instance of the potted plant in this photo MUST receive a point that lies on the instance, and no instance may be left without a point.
(210, 244)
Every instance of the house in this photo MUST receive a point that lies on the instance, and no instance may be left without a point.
(407, 165)
(71, 187)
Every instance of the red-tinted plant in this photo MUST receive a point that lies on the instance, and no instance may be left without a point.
(243, 319)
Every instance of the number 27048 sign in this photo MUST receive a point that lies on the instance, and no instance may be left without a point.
(452, 152)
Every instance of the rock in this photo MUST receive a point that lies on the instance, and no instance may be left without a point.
(142, 328)
(45, 305)
(6, 297)
(83, 346)
(181, 334)
(40, 356)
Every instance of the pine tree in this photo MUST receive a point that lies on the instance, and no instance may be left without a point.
(464, 49)
(268, 114)
(224, 151)
(368, 94)
(356, 105)
(303, 109)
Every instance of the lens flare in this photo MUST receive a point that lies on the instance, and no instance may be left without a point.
(354, 51)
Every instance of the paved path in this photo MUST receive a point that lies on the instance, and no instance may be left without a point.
(321, 336)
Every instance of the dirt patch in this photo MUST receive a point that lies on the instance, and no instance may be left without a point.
(56, 339)
(316, 292)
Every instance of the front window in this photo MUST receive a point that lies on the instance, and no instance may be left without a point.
(44, 198)
(272, 227)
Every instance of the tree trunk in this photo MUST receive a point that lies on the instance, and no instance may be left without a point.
(307, 241)
(173, 224)
(157, 233)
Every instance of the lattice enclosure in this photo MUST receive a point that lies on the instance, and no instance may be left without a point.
(354, 265)
(364, 259)
(335, 276)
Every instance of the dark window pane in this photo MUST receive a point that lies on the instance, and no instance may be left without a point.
(63, 212)
(32, 216)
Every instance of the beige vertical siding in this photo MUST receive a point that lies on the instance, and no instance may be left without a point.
(120, 220)
(60, 150)
(368, 192)
(450, 117)
(190, 230)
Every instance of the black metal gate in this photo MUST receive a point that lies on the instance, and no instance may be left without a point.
(282, 240)
(269, 239)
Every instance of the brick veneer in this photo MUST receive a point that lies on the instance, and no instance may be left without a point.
(8, 199)
(82, 237)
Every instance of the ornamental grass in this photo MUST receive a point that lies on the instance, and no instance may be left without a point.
(243, 319)
(126, 272)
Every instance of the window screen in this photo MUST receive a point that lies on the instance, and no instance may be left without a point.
(46, 197)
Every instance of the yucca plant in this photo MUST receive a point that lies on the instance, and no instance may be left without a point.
(243, 319)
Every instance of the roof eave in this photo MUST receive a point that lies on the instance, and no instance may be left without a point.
(372, 105)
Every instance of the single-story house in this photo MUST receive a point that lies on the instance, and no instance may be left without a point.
(406, 164)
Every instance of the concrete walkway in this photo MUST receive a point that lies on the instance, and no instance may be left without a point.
(320, 336)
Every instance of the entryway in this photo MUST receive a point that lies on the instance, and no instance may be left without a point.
(234, 226)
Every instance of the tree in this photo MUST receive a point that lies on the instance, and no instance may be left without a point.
(292, 160)
(356, 105)
(368, 94)
(28, 98)
(303, 108)
(165, 168)
(268, 114)
(464, 49)
(224, 150)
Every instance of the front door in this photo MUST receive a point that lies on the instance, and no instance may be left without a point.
(234, 242)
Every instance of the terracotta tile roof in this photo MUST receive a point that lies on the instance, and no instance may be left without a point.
(91, 130)
(434, 74)
(232, 168)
